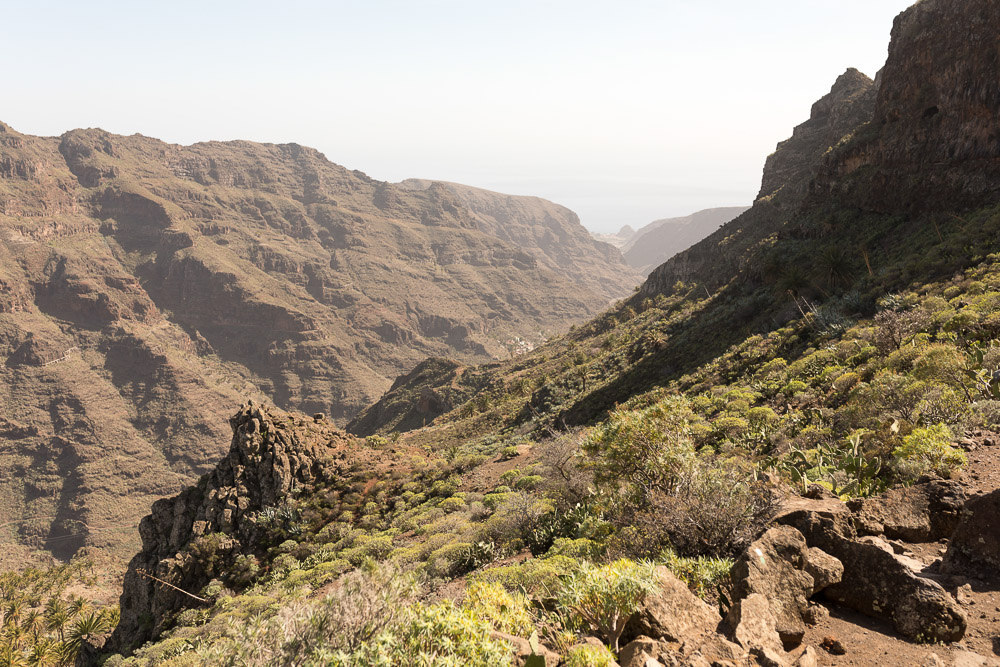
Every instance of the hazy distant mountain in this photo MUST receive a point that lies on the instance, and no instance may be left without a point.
(662, 239)
(550, 232)
(618, 239)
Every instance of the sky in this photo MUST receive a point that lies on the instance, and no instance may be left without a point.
(624, 111)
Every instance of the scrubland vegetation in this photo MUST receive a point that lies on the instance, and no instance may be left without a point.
(508, 519)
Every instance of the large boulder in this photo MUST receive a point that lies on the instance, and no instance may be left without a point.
(673, 614)
(876, 581)
(641, 652)
(976, 540)
(675, 627)
(786, 572)
(754, 626)
(924, 512)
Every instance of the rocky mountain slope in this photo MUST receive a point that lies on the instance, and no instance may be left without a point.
(793, 460)
(660, 240)
(147, 288)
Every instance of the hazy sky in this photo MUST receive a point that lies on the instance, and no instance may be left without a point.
(624, 111)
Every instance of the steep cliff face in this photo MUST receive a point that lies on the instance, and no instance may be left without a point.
(933, 141)
(205, 531)
(849, 103)
(146, 288)
(922, 138)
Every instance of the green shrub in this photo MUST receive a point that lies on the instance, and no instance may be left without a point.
(643, 451)
(701, 574)
(586, 655)
(579, 549)
(927, 450)
(507, 612)
(606, 596)
(540, 577)
(443, 634)
(528, 482)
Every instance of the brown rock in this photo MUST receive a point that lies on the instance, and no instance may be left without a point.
(767, 657)
(753, 625)
(808, 658)
(824, 568)
(976, 541)
(924, 512)
(640, 652)
(779, 566)
(876, 581)
(833, 646)
(674, 613)
(268, 459)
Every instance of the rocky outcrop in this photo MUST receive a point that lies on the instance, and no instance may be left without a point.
(932, 140)
(673, 613)
(782, 569)
(785, 184)
(876, 581)
(925, 512)
(675, 627)
(976, 541)
(196, 536)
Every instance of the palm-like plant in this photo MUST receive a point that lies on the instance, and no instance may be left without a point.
(11, 657)
(34, 622)
(15, 636)
(43, 653)
(85, 628)
(112, 616)
(13, 611)
(56, 616)
(78, 606)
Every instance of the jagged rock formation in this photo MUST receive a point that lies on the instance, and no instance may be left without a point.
(199, 534)
(146, 288)
(785, 183)
(849, 103)
(662, 239)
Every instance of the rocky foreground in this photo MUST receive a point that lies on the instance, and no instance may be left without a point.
(907, 577)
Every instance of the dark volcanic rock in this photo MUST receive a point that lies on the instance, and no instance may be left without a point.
(933, 139)
(848, 104)
(976, 540)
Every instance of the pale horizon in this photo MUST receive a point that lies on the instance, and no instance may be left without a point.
(625, 113)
